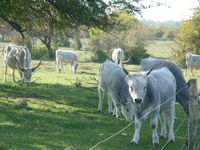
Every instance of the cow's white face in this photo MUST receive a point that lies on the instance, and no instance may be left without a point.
(26, 73)
(137, 87)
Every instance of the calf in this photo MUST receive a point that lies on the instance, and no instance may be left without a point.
(68, 57)
(153, 93)
(112, 80)
(18, 57)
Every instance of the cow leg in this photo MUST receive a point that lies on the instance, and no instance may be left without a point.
(191, 69)
(154, 125)
(116, 104)
(5, 71)
(163, 125)
(136, 136)
(62, 66)
(170, 121)
(13, 75)
(58, 64)
(101, 96)
(110, 104)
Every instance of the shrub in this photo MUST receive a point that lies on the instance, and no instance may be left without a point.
(137, 53)
(99, 55)
(39, 53)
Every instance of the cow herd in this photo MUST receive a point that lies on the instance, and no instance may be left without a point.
(150, 92)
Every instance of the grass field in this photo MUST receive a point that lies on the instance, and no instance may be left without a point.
(160, 49)
(62, 112)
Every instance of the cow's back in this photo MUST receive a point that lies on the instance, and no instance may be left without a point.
(66, 55)
(11, 53)
(110, 75)
(162, 87)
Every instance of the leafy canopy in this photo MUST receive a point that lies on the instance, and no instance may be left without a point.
(22, 14)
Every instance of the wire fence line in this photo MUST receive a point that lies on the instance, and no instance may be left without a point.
(180, 125)
(112, 136)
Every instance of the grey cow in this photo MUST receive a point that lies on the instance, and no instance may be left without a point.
(192, 61)
(182, 95)
(18, 57)
(112, 80)
(153, 93)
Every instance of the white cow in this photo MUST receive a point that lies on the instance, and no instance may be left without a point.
(112, 80)
(18, 57)
(153, 93)
(68, 57)
(192, 61)
(118, 56)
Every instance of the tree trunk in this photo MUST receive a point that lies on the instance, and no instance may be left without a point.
(47, 42)
(50, 54)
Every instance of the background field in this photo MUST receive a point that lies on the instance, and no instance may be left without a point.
(62, 112)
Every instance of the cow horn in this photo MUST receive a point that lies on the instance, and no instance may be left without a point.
(126, 61)
(34, 68)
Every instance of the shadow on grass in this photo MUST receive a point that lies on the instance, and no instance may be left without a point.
(38, 128)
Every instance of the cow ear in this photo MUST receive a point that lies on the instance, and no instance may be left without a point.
(127, 78)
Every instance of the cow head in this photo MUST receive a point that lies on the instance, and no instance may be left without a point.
(137, 86)
(26, 73)
(74, 66)
(127, 108)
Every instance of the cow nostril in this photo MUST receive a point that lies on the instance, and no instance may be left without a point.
(138, 100)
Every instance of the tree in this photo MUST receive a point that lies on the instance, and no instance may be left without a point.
(24, 15)
(188, 37)
(5, 29)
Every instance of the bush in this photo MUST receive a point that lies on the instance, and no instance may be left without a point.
(137, 53)
(99, 56)
(39, 53)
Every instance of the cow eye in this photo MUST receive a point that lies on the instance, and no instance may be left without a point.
(127, 110)
(144, 89)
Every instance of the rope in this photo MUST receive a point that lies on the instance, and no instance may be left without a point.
(174, 132)
(105, 140)
(112, 136)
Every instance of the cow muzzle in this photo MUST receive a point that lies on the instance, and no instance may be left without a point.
(138, 100)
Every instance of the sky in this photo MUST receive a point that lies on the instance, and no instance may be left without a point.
(175, 10)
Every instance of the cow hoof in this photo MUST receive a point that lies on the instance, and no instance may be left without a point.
(99, 111)
(156, 144)
(171, 141)
(134, 143)
(162, 137)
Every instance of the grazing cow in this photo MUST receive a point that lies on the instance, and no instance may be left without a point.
(192, 61)
(182, 95)
(18, 57)
(68, 57)
(112, 80)
(153, 93)
(118, 56)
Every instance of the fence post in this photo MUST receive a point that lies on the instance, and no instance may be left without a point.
(194, 112)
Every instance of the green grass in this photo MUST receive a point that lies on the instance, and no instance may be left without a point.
(62, 112)
(160, 49)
